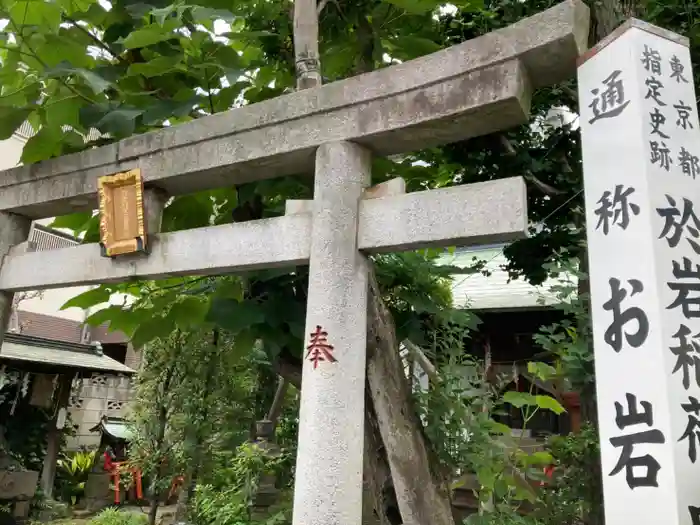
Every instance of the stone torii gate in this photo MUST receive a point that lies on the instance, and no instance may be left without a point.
(475, 88)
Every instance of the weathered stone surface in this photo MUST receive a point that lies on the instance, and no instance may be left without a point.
(392, 187)
(332, 407)
(474, 88)
(18, 484)
(14, 230)
(97, 486)
(154, 200)
(282, 241)
(22, 509)
(464, 215)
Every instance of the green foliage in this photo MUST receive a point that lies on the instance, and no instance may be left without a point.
(458, 411)
(192, 405)
(575, 489)
(72, 473)
(118, 517)
(570, 341)
(25, 430)
(230, 502)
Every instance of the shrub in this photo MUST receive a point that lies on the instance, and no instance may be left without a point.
(71, 475)
(118, 517)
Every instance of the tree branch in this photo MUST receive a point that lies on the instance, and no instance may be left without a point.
(20, 34)
(99, 43)
(321, 5)
(423, 360)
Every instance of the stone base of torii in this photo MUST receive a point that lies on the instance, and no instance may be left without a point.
(355, 414)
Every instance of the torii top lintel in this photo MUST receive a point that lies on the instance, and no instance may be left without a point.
(474, 88)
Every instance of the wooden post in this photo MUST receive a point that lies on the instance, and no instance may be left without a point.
(53, 438)
(306, 44)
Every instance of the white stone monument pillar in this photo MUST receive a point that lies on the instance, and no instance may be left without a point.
(641, 142)
(328, 486)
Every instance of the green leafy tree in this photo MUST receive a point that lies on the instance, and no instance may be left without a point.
(72, 66)
(193, 392)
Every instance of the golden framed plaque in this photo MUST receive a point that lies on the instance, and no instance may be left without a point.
(122, 220)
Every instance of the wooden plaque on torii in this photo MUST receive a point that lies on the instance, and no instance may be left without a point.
(122, 219)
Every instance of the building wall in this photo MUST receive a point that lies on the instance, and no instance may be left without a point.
(96, 396)
(495, 291)
(50, 302)
(11, 151)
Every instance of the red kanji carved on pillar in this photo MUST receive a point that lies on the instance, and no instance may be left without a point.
(319, 349)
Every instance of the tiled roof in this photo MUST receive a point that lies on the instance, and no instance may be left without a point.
(42, 351)
(66, 330)
(114, 427)
(50, 327)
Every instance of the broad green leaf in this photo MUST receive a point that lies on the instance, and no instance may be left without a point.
(415, 46)
(36, 13)
(248, 35)
(541, 370)
(20, 96)
(59, 49)
(468, 5)
(148, 35)
(95, 81)
(188, 211)
(92, 114)
(540, 458)
(500, 488)
(549, 403)
(416, 6)
(76, 6)
(102, 316)
(92, 229)
(231, 288)
(151, 329)
(120, 121)
(88, 299)
(225, 98)
(167, 109)
(499, 428)
(155, 67)
(65, 111)
(519, 399)
(118, 319)
(11, 119)
(234, 316)
(201, 14)
(163, 15)
(189, 311)
(44, 145)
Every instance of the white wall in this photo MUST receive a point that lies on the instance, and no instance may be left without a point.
(51, 301)
(11, 151)
(481, 292)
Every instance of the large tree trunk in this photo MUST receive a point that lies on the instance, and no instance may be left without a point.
(53, 438)
(422, 494)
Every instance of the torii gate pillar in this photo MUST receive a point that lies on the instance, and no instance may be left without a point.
(331, 421)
